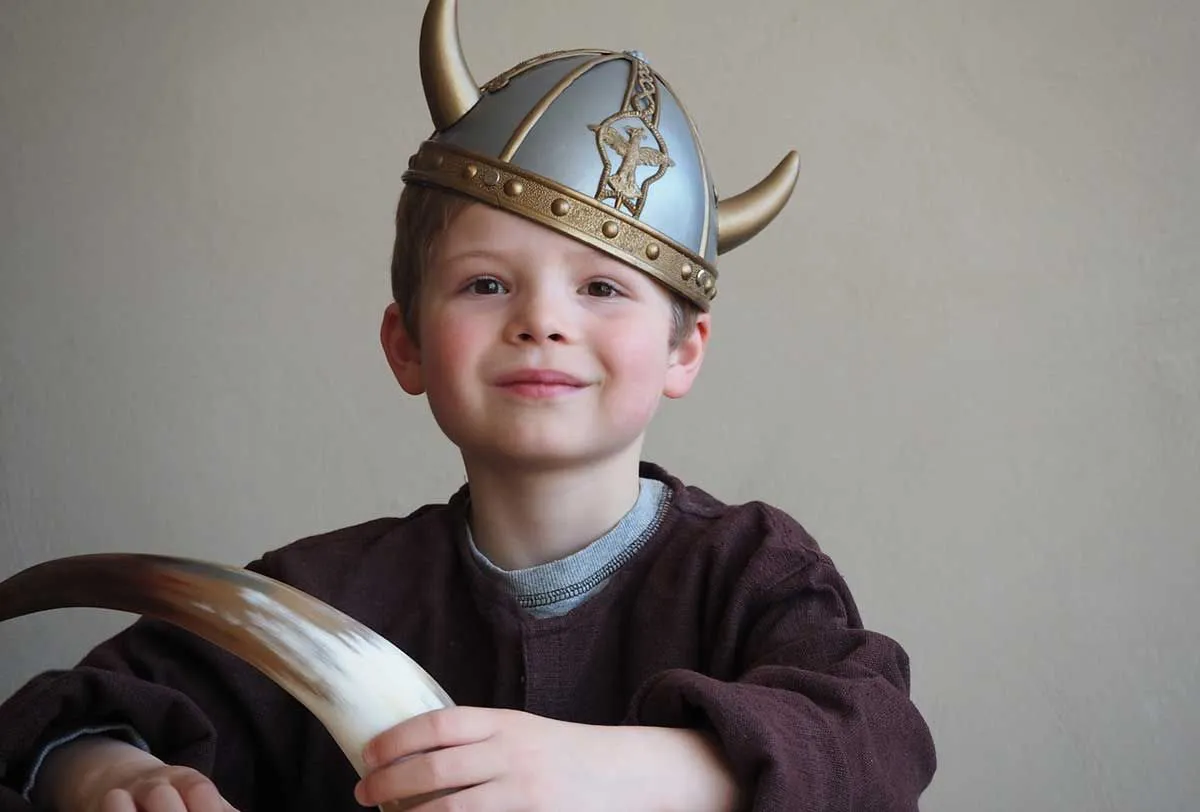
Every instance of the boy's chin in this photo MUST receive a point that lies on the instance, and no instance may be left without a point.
(542, 456)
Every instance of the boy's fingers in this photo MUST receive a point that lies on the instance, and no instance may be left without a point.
(170, 789)
(199, 795)
(491, 795)
(450, 768)
(117, 800)
(161, 798)
(451, 727)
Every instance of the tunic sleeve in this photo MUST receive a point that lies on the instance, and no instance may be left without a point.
(811, 710)
(190, 702)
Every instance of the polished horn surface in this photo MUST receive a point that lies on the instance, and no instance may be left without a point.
(450, 89)
(740, 217)
(354, 681)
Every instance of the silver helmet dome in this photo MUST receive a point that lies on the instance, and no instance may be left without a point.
(594, 144)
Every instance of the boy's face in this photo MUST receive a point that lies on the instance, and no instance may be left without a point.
(537, 350)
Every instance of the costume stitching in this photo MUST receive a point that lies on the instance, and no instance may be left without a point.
(583, 587)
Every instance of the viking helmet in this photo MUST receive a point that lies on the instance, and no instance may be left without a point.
(593, 144)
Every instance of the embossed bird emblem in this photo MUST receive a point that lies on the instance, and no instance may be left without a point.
(633, 155)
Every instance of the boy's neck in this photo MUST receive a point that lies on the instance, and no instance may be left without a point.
(522, 518)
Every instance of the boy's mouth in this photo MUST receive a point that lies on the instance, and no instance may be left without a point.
(539, 383)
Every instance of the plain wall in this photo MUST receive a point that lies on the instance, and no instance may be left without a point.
(966, 356)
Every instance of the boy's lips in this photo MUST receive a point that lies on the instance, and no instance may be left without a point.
(539, 382)
(544, 376)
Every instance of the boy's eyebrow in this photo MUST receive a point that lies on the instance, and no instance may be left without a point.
(473, 253)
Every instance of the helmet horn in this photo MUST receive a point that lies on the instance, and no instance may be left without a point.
(450, 90)
(742, 216)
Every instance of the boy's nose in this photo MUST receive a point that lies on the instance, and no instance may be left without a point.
(537, 320)
(534, 337)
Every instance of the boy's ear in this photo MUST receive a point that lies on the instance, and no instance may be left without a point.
(403, 354)
(685, 360)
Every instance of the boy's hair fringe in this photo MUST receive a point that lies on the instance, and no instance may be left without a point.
(422, 215)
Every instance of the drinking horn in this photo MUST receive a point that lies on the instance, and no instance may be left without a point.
(353, 680)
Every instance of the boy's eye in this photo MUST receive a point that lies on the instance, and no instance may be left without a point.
(486, 286)
(601, 289)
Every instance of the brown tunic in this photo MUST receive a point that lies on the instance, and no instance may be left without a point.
(728, 619)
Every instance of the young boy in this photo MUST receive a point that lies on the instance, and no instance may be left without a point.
(614, 639)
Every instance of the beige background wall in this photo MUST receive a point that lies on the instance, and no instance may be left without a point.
(967, 357)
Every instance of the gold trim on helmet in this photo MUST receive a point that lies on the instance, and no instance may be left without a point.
(540, 199)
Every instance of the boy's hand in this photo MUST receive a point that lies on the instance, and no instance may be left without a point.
(160, 788)
(106, 775)
(485, 760)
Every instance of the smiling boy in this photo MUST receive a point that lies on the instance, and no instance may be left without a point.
(615, 638)
(543, 361)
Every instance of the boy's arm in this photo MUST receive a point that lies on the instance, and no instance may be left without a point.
(68, 773)
(814, 713)
(682, 770)
(121, 733)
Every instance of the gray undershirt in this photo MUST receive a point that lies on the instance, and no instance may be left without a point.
(557, 587)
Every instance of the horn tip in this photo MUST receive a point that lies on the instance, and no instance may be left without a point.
(450, 89)
(742, 217)
(791, 165)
